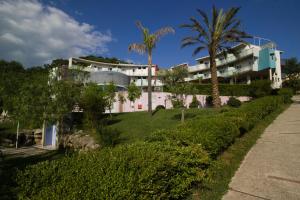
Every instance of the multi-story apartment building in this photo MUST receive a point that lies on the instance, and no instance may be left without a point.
(121, 74)
(250, 62)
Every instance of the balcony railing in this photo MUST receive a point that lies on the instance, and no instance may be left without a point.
(230, 58)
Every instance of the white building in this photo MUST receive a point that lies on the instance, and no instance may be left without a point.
(251, 62)
(121, 74)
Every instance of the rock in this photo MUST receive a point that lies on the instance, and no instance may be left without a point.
(38, 131)
(7, 141)
(79, 142)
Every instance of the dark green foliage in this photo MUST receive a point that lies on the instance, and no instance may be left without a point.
(293, 84)
(160, 107)
(93, 102)
(134, 92)
(286, 93)
(195, 103)
(292, 69)
(225, 89)
(137, 171)
(217, 132)
(177, 103)
(108, 136)
(234, 102)
(104, 59)
(208, 101)
(260, 88)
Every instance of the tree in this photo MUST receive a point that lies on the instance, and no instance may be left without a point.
(122, 100)
(215, 34)
(93, 102)
(292, 69)
(133, 92)
(148, 44)
(110, 91)
(174, 80)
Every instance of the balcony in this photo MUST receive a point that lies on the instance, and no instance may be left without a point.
(220, 62)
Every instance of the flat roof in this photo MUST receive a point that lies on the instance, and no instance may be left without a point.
(109, 64)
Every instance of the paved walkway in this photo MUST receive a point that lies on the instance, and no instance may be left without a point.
(271, 169)
(22, 152)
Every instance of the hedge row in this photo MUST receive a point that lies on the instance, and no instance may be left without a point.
(217, 132)
(165, 166)
(136, 171)
(256, 89)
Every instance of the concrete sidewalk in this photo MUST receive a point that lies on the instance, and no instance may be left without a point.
(271, 169)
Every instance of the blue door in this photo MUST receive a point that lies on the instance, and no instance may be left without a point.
(49, 135)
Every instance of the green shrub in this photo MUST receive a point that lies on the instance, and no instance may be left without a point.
(195, 103)
(160, 107)
(215, 133)
(108, 136)
(208, 101)
(234, 102)
(177, 103)
(224, 89)
(286, 93)
(136, 171)
(260, 88)
(293, 84)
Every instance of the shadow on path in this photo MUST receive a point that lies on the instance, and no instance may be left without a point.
(18, 161)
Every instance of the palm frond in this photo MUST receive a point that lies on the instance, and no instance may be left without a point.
(198, 49)
(205, 18)
(139, 48)
(163, 31)
(140, 25)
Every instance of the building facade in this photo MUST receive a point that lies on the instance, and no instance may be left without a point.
(250, 62)
(121, 74)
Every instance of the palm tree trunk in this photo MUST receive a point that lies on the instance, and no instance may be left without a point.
(214, 82)
(149, 83)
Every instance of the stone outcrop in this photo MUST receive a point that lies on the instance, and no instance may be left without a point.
(79, 142)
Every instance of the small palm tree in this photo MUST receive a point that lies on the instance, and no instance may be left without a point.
(148, 44)
(216, 34)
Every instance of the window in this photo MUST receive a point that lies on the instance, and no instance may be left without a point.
(206, 62)
(133, 70)
(201, 62)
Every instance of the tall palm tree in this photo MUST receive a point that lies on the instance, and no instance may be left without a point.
(147, 46)
(216, 34)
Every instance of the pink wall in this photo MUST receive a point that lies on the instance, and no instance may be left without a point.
(159, 98)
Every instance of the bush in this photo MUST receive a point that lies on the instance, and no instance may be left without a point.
(108, 136)
(224, 89)
(177, 103)
(293, 84)
(136, 171)
(286, 93)
(215, 133)
(195, 103)
(234, 102)
(260, 88)
(208, 101)
(160, 107)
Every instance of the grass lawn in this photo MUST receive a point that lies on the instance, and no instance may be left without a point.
(226, 165)
(138, 125)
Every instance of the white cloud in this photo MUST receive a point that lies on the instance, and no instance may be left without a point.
(33, 33)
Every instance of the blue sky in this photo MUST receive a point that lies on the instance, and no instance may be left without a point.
(277, 20)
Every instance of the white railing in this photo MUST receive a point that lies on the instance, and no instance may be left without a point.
(230, 58)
